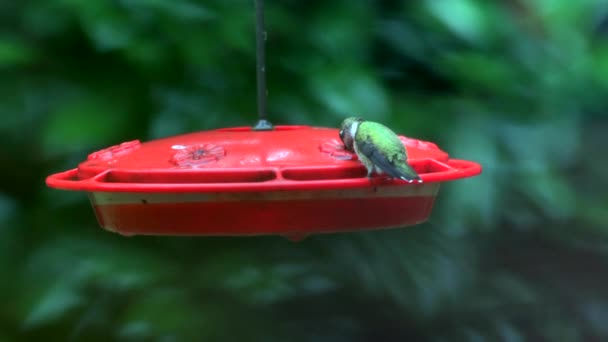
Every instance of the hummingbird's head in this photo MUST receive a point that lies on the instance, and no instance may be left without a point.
(348, 128)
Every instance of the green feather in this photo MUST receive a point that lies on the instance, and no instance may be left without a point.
(378, 147)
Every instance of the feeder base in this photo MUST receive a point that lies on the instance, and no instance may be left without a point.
(267, 213)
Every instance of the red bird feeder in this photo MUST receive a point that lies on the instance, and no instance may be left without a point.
(292, 181)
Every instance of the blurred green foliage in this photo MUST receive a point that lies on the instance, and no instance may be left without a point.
(517, 254)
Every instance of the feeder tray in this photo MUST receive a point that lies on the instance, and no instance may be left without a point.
(292, 181)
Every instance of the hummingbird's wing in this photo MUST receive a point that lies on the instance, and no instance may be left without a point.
(366, 147)
(383, 148)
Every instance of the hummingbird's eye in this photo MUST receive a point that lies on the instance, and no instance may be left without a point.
(341, 133)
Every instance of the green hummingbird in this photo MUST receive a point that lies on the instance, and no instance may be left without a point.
(378, 148)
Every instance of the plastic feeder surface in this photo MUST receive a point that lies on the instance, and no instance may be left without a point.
(292, 181)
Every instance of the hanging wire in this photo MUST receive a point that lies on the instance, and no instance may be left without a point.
(260, 39)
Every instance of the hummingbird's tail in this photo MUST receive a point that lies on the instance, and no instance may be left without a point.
(408, 174)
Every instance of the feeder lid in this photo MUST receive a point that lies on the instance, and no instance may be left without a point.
(240, 159)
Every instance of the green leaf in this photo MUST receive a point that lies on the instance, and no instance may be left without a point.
(14, 53)
(165, 314)
(463, 17)
(180, 9)
(83, 121)
(350, 91)
(53, 305)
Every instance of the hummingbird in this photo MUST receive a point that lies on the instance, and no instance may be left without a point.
(378, 148)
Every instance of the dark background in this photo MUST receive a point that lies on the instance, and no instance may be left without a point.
(518, 253)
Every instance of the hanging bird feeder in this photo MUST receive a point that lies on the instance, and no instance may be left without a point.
(286, 180)
(292, 180)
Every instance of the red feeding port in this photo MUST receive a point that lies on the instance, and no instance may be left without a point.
(292, 181)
